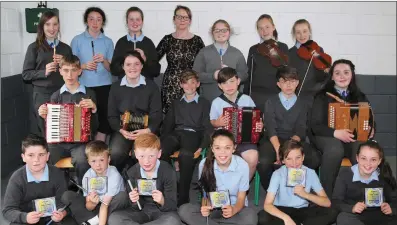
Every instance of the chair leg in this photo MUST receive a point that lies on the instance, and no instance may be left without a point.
(203, 153)
(257, 188)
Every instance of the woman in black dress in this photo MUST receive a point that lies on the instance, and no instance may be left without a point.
(181, 48)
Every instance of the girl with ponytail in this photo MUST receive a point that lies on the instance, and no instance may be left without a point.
(222, 171)
(371, 171)
(262, 83)
(95, 51)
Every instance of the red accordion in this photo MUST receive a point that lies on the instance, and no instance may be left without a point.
(68, 123)
(242, 123)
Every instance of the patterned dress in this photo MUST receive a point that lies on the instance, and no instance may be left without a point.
(180, 56)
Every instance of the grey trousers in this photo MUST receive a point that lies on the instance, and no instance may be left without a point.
(148, 216)
(365, 218)
(333, 152)
(191, 215)
(67, 220)
(81, 214)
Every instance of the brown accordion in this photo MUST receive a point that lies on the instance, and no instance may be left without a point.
(354, 117)
(131, 122)
(242, 123)
(67, 123)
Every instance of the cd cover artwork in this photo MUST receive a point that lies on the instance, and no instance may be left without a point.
(98, 184)
(45, 205)
(373, 197)
(219, 198)
(296, 177)
(146, 186)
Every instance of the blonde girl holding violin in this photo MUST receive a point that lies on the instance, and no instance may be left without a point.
(312, 77)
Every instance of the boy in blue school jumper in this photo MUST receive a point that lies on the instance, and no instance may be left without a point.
(72, 92)
(187, 129)
(290, 204)
(285, 118)
(35, 180)
(228, 82)
(94, 207)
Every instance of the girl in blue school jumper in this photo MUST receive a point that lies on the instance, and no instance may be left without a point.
(290, 205)
(222, 170)
(371, 171)
(95, 51)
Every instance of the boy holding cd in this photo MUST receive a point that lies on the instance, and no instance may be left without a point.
(103, 188)
(153, 187)
(34, 191)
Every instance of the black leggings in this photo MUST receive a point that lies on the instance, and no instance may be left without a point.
(314, 215)
(119, 151)
(102, 96)
(186, 142)
(333, 152)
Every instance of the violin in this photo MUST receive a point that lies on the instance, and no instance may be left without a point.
(270, 49)
(320, 59)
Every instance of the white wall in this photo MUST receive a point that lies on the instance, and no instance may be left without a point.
(364, 32)
(12, 52)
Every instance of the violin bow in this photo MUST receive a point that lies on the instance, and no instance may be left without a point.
(335, 97)
(304, 78)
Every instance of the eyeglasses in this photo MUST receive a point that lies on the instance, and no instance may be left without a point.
(216, 31)
(182, 18)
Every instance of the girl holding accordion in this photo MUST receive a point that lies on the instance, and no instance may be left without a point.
(138, 96)
(335, 144)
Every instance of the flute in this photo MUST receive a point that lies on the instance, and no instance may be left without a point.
(132, 188)
(134, 41)
(205, 201)
(55, 52)
(83, 189)
(93, 52)
(59, 210)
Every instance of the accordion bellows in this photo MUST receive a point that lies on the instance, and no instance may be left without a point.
(68, 123)
(131, 122)
(242, 123)
(354, 117)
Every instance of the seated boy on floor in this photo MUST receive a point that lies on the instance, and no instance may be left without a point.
(187, 129)
(153, 194)
(72, 92)
(34, 185)
(105, 187)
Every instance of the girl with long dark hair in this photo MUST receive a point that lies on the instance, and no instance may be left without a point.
(336, 143)
(222, 171)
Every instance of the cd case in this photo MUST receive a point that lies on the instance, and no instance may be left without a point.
(219, 198)
(373, 197)
(97, 184)
(45, 205)
(296, 177)
(146, 186)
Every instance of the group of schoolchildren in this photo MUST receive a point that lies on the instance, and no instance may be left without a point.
(188, 128)
(132, 180)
